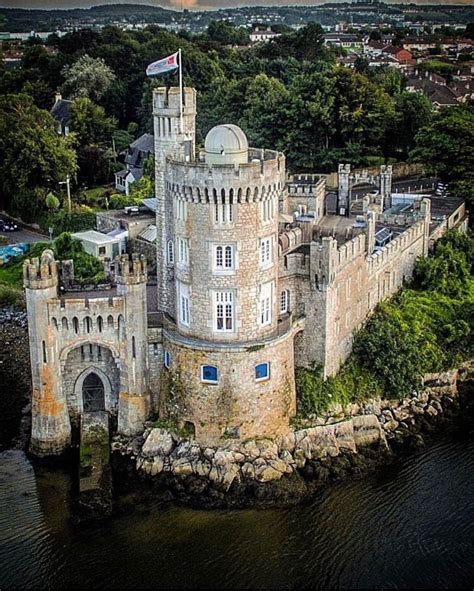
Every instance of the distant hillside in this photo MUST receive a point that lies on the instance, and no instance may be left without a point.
(18, 20)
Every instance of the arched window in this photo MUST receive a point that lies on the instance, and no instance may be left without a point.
(170, 252)
(64, 323)
(55, 323)
(209, 374)
(110, 321)
(87, 324)
(75, 325)
(100, 323)
(121, 327)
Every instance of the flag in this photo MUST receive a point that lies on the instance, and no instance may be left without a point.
(167, 64)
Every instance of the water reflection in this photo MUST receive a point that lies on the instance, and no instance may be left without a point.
(409, 526)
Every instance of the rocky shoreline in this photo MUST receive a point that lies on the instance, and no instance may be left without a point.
(345, 443)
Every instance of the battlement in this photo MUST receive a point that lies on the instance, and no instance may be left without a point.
(261, 178)
(40, 273)
(130, 270)
(166, 101)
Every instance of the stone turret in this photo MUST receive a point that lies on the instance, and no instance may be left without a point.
(344, 173)
(174, 137)
(134, 398)
(51, 429)
(386, 186)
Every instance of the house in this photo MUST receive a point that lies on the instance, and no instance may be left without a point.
(345, 40)
(135, 157)
(103, 246)
(61, 112)
(259, 34)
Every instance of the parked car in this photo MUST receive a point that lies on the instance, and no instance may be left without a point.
(7, 226)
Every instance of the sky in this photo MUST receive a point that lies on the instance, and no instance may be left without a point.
(192, 4)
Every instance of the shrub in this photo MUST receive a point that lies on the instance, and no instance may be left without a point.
(10, 296)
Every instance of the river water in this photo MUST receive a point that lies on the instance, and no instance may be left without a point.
(411, 525)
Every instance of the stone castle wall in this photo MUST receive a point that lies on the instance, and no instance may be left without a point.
(238, 406)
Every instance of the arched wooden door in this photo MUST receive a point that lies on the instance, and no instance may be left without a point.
(93, 395)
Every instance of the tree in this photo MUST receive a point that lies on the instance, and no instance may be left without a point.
(413, 111)
(32, 154)
(227, 34)
(52, 202)
(446, 147)
(446, 273)
(87, 77)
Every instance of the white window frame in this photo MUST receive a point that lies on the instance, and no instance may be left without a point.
(183, 251)
(184, 304)
(224, 214)
(170, 252)
(284, 301)
(181, 210)
(267, 377)
(267, 210)
(206, 381)
(223, 262)
(266, 303)
(266, 252)
(223, 304)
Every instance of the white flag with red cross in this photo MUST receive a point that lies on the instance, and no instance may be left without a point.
(163, 66)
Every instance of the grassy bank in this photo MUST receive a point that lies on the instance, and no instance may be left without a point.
(426, 327)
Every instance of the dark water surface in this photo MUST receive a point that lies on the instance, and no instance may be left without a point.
(409, 526)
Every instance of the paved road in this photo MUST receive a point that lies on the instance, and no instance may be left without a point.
(23, 235)
(427, 184)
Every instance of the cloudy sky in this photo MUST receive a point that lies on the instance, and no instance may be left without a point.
(194, 4)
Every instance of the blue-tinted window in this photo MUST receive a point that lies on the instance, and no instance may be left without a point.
(167, 360)
(262, 371)
(209, 374)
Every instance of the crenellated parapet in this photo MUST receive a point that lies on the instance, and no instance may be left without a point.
(130, 270)
(260, 179)
(40, 273)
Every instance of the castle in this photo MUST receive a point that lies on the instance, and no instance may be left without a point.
(253, 277)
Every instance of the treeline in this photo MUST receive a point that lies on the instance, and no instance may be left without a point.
(427, 327)
(287, 94)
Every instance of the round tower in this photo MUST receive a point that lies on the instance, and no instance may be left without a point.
(227, 348)
(134, 398)
(51, 428)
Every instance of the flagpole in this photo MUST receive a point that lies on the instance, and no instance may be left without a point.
(180, 91)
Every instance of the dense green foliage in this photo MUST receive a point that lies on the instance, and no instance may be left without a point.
(287, 94)
(425, 328)
(446, 147)
(87, 269)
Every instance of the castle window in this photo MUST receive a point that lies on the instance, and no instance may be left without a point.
(209, 374)
(110, 321)
(266, 251)
(167, 359)
(181, 210)
(55, 323)
(224, 257)
(224, 311)
(75, 325)
(87, 324)
(64, 323)
(183, 251)
(184, 312)
(284, 301)
(262, 372)
(266, 303)
(223, 213)
(45, 359)
(267, 210)
(100, 323)
(134, 348)
(170, 252)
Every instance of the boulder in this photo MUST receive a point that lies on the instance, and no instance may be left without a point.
(367, 431)
(159, 442)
